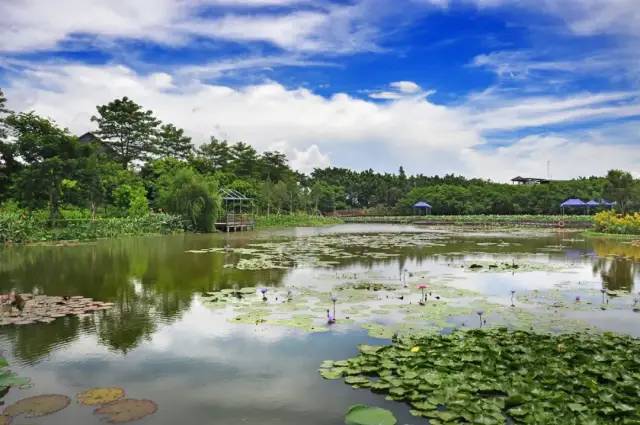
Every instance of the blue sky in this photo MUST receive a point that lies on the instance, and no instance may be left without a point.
(490, 88)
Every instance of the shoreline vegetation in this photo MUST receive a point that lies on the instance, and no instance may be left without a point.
(20, 227)
(571, 221)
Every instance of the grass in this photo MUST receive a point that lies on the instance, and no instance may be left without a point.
(295, 220)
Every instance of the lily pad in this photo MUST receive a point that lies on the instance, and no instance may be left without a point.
(104, 395)
(40, 405)
(361, 414)
(127, 410)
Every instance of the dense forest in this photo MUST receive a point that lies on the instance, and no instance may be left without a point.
(132, 163)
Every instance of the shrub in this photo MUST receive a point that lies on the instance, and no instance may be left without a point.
(610, 222)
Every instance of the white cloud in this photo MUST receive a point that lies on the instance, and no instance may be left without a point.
(406, 86)
(399, 90)
(306, 160)
(346, 131)
(568, 156)
(503, 111)
(42, 24)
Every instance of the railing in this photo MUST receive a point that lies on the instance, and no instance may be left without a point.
(239, 219)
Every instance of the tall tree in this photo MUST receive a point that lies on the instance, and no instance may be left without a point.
(9, 166)
(52, 157)
(172, 143)
(619, 188)
(213, 156)
(127, 129)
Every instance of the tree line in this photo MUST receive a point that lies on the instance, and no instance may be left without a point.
(132, 163)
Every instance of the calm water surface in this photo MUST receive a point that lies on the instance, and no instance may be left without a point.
(161, 343)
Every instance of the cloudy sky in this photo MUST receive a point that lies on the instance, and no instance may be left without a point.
(490, 88)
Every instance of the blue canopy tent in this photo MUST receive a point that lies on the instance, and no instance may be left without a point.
(572, 203)
(422, 208)
(592, 204)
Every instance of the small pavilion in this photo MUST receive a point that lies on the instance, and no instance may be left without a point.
(421, 208)
(237, 212)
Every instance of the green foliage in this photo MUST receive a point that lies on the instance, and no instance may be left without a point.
(620, 187)
(496, 376)
(52, 157)
(194, 197)
(360, 414)
(9, 379)
(294, 220)
(610, 222)
(131, 199)
(127, 129)
(21, 227)
(172, 143)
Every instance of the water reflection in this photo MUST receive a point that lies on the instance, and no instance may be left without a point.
(152, 281)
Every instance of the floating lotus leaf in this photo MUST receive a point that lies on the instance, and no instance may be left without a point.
(360, 414)
(104, 395)
(497, 376)
(39, 405)
(5, 420)
(127, 410)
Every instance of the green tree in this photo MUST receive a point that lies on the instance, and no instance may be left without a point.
(127, 129)
(9, 165)
(212, 157)
(51, 155)
(172, 143)
(619, 188)
(192, 196)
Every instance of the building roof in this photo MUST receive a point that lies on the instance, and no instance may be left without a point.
(421, 204)
(529, 179)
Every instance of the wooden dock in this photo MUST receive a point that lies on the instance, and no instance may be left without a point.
(236, 223)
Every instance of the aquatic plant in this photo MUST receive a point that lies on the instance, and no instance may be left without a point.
(127, 410)
(9, 379)
(102, 395)
(45, 309)
(40, 405)
(495, 376)
(21, 228)
(360, 414)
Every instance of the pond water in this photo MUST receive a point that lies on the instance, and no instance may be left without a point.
(163, 341)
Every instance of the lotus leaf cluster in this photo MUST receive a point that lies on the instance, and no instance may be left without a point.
(45, 309)
(499, 376)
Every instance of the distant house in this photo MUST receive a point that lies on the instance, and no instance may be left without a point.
(529, 180)
(90, 138)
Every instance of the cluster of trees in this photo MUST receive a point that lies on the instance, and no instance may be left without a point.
(135, 163)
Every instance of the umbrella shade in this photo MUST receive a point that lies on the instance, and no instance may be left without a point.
(421, 204)
(593, 203)
(573, 203)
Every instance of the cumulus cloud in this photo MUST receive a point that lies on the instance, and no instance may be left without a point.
(316, 131)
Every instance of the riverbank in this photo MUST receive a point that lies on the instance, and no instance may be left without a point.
(568, 221)
(295, 220)
(21, 228)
